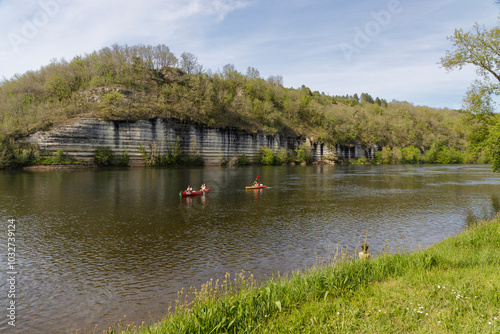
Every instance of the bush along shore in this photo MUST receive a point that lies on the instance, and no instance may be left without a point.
(451, 287)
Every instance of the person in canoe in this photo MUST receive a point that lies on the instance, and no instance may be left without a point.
(203, 187)
(189, 189)
(255, 183)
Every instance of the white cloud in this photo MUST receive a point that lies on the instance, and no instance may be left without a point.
(37, 32)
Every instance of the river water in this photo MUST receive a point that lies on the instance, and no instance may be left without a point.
(93, 246)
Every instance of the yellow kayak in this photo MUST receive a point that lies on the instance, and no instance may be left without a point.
(261, 186)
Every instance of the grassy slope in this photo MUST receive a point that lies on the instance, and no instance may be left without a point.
(451, 287)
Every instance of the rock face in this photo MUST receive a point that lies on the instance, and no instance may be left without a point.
(80, 139)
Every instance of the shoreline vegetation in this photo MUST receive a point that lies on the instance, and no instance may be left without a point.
(452, 286)
(130, 83)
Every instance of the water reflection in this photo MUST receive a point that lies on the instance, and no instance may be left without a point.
(99, 244)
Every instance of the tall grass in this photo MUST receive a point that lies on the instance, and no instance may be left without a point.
(397, 291)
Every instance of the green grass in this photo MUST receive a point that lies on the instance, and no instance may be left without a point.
(451, 287)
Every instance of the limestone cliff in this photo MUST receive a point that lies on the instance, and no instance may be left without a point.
(82, 136)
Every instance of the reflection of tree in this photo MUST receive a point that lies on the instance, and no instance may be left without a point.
(495, 204)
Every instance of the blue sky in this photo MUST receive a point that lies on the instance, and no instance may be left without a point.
(387, 48)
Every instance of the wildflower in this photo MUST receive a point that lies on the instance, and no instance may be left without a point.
(439, 287)
(489, 322)
(439, 322)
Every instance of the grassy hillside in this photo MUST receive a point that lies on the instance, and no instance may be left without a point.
(142, 82)
(451, 287)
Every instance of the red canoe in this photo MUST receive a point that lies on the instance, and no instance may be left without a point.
(193, 193)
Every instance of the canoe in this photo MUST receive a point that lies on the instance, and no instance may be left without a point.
(261, 186)
(193, 193)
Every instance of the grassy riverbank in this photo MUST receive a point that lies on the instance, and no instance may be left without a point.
(450, 287)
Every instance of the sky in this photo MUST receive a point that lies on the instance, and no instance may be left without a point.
(387, 48)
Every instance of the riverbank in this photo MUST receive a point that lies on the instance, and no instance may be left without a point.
(450, 287)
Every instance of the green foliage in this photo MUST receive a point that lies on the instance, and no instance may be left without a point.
(281, 157)
(361, 161)
(265, 156)
(243, 160)
(124, 159)
(410, 155)
(303, 154)
(58, 157)
(103, 156)
(479, 48)
(57, 87)
(386, 155)
(173, 156)
(14, 155)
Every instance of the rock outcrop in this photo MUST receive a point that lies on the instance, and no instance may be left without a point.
(80, 139)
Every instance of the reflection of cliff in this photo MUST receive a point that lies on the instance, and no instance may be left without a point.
(80, 139)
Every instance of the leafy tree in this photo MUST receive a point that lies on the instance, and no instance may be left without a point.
(366, 98)
(479, 47)
(57, 87)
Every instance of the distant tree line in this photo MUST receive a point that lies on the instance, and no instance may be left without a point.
(143, 82)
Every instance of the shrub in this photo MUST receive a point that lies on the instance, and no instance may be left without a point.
(303, 154)
(361, 160)
(103, 156)
(411, 155)
(243, 160)
(386, 155)
(281, 156)
(58, 157)
(265, 156)
(397, 156)
(124, 159)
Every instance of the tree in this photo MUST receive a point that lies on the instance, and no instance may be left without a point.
(189, 63)
(366, 98)
(252, 73)
(481, 48)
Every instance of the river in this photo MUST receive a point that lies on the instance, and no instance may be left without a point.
(93, 246)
